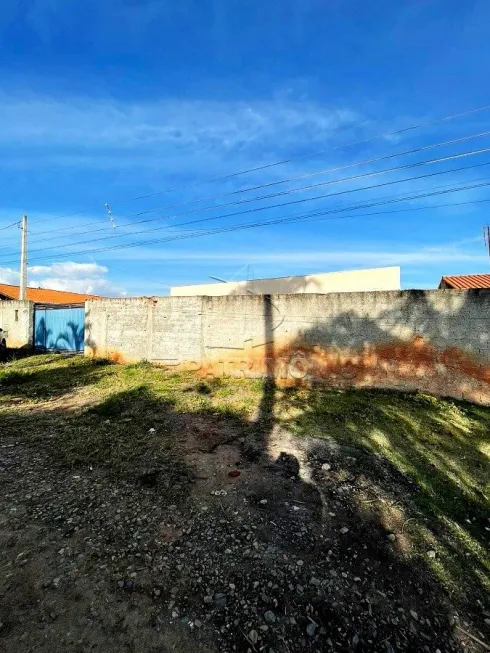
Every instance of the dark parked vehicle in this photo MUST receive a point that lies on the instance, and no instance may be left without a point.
(3, 345)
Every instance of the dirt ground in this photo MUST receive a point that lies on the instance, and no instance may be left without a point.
(234, 547)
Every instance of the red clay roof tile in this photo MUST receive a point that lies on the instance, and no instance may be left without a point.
(45, 296)
(467, 281)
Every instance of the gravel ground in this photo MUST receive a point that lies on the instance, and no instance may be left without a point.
(247, 552)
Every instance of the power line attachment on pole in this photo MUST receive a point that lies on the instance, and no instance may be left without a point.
(111, 217)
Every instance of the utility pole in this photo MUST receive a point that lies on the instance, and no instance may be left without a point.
(23, 258)
(486, 238)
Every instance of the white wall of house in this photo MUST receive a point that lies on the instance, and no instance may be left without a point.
(17, 322)
(349, 281)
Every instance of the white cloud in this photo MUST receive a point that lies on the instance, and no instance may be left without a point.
(76, 277)
(89, 285)
(203, 124)
(8, 275)
(70, 269)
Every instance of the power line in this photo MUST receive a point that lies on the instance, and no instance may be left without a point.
(440, 186)
(359, 215)
(129, 234)
(312, 216)
(296, 178)
(308, 188)
(317, 197)
(195, 234)
(308, 199)
(308, 217)
(210, 232)
(9, 226)
(308, 175)
(396, 132)
(268, 185)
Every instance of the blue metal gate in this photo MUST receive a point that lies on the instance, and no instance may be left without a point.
(59, 328)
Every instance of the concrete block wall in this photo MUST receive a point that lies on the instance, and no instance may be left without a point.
(159, 329)
(17, 319)
(436, 341)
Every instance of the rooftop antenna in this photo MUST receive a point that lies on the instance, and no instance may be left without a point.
(250, 292)
(210, 276)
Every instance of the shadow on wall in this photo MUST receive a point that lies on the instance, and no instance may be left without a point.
(89, 345)
(349, 350)
(436, 341)
(42, 334)
(72, 339)
(265, 421)
(290, 285)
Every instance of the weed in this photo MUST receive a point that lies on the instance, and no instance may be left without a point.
(203, 388)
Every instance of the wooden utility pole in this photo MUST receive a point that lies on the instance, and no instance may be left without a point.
(23, 259)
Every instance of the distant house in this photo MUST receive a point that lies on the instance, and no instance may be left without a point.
(465, 281)
(326, 282)
(44, 296)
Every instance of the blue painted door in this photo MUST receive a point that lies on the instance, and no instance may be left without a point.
(62, 329)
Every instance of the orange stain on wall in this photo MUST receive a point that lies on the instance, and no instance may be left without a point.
(413, 365)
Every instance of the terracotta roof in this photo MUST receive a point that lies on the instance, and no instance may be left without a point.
(464, 281)
(44, 296)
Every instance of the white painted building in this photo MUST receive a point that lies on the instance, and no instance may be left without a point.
(348, 281)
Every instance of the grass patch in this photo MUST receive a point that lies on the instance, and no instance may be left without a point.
(49, 376)
(9, 377)
(128, 432)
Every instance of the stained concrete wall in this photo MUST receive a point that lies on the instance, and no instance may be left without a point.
(349, 281)
(160, 329)
(436, 341)
(17, 319)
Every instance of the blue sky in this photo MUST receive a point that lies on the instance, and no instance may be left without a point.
(108, 100)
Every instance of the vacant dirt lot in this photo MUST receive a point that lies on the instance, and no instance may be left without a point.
(145, 511)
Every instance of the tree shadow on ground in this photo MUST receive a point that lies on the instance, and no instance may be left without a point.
(435, 469)
(320, 557)
(37, 379)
